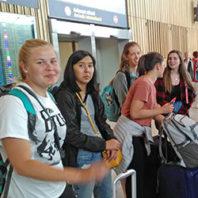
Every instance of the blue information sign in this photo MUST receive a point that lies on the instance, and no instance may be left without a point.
(27, 3)
(102, 12)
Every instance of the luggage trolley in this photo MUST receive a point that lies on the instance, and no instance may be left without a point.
(125, 175)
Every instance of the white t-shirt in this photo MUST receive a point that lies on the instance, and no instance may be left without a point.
(13, 123)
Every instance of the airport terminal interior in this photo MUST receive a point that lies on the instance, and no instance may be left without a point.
(102, 28)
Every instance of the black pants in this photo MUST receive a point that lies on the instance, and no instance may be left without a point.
(146, 170)
(68, 192)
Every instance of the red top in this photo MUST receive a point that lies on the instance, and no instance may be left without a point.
(143, 90)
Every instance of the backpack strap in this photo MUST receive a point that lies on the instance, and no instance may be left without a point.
(8, 179)
(52, 97)
(5, 181)
(56, 137)
(128, 78)
(30, 110)
(28, 105)
(161, 154)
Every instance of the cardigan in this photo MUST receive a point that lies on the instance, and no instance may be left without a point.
(124, 131)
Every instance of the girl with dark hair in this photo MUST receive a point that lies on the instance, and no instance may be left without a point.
(82, 145)
(133, 128)
(176, 82)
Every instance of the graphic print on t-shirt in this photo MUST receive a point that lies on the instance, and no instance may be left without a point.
(45, 146)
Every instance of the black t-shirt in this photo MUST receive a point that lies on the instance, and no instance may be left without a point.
(176, 93)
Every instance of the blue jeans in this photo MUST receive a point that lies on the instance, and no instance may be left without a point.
(101, 189)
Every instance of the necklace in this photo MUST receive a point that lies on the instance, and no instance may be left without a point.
(175, 80)
(175, 77)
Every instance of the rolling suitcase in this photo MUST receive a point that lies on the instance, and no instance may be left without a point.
(179, 178)
(177, 181)
(125, 175)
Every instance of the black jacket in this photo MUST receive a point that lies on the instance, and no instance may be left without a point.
(70, 108)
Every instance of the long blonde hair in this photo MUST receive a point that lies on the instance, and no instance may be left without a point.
(184, 75)
(25, 52)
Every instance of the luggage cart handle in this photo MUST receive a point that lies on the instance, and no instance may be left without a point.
(125, 175)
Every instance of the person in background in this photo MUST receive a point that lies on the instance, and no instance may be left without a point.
(195, 64)
(126, 76)
(128, 64)
(176, 83)
(188, 63)
(82, 145)
(133, 128)
(38, 169)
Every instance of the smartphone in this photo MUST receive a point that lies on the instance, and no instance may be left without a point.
(173, 100)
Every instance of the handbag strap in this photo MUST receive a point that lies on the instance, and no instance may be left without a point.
(86, 109)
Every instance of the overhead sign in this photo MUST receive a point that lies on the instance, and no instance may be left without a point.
(27, 3)
(102, 12)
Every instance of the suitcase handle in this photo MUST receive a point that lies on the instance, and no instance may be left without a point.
(122, 176)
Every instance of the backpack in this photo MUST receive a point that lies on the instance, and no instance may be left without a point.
(5, 89)
(110, 100)
(5, 177)
(182, 132)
